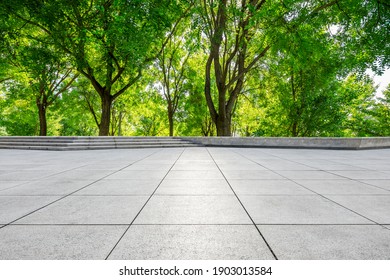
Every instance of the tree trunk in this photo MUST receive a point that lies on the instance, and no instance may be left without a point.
(224, 126)
(42, 119)
(294, 129)
(120, 124)
(170, 119)
(104, 126)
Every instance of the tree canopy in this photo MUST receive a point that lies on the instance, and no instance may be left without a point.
(184, 67)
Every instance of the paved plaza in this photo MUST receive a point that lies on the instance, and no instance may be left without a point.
(195, 203)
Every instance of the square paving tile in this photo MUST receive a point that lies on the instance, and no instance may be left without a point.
(192, 161)
(195, 154)
(194, 187)
(140, 166)
(298, 210)
(194, 214)
(267, 187)
(14, 207)
(239, 160)
(89, 210)
(316, 163)
(328, 242)
(160, 158)
(317, 175)
(195, 166)
(82, 175)
(193, 210)
(10, 166)
(107, 166)
(363, 175)
(53, 168)
(47, 187)
(375, 207)
(340, 187)
(373, 165)
(121, 187)
(192, 242)
(25, 175)
(256, 155)
(157, 161)
(283, 165)
(385, 184)
(18, 242)
(246, 166)
(6, 171)
(194, 174)
(138, 174)
(10, 184)
(339, 167)
(251, 174)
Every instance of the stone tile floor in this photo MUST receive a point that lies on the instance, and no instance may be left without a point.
(195, 203)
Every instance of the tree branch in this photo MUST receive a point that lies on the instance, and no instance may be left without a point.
(322, 7)
(55, 85)
(92, 110)
(186, 12)
(207, 89)
(32, 23)
(129, 84)
(249, 67)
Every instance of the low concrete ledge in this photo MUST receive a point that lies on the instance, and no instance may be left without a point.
(90, 142)
(295, 142)
(58, 143)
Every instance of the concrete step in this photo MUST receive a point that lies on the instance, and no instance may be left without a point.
(72, 148)
(88, 143)
(103, 139)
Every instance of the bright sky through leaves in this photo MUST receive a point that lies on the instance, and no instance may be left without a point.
(381, 81)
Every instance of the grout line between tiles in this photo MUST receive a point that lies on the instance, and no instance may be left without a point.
(318, 169)
(42, 178)
(136, 216)
(74, 191)
(323, 196)
(253, 222)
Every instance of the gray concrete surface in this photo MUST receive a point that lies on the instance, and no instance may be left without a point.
(195, 203)
(355, 143)
(72, 143)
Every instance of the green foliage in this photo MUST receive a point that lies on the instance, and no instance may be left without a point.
(264, 68)
(382, 113)
(359, 107)
(17, 115)
(149, 117)
(73, 114)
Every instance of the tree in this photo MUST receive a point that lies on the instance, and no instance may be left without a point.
(195, 118)
(359, 106)
(149, 118)
(172, 65)
(249, 114)
(44, 73)
(307, 102)
(241, 33)
(49, 77)
(74, 112)
(109, 41)
(263, 67)
(18, 115)
(382, 113)
(234, 48)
